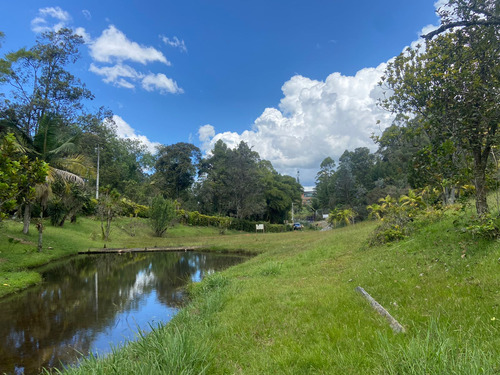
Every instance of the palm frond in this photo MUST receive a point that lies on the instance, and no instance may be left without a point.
(76, 164)
(66, 147)
(67, 176)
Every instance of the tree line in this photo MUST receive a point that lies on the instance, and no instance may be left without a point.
(445, 96)
(54, 149)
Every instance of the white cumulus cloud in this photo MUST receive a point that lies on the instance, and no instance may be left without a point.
(315, 119)
(116, 74)
(50, 19)
(206, 132)
(124, 130)
(114, 46)
(162, 83)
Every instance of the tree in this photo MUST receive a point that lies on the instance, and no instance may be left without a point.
(54, 143)
(467, 14)
(325, 183)
(107, 208)
(232, 185)
(18, 175)
(40, 82)
(176, 168)
(123, 162)
(45, 102)
(280, 193)
(162, 212)
(454, 85)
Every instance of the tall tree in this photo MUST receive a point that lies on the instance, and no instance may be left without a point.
(44, 96)
(454, 85)
(231, 182)
(41, 83)
(281, 192)
(325, 183)
(176, 167)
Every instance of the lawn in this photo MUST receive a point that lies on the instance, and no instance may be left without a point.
(293, 308)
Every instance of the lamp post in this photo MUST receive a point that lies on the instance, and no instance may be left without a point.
(97, 179)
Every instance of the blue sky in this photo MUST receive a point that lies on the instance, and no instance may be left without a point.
(294, 79)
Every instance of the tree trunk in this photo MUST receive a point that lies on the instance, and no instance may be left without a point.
(27, 218)
(480, 183)
(39, 226)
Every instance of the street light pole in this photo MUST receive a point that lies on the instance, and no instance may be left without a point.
(97, 179)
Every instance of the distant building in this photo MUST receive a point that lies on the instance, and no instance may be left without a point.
(308, 195)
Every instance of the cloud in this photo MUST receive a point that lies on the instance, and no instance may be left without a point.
(124, 130)
(174, 42)
(87, 14)
(116, 74)
(114, 46)
(315, 119)
(50, 19)
(206, 132)
(161, 83)
(83, 33)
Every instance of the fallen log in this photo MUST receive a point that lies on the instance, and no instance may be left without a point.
(396, 327)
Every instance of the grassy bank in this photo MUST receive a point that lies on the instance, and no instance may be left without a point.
(293, 309)
(19, 256)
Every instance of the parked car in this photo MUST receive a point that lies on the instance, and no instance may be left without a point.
(297, 226)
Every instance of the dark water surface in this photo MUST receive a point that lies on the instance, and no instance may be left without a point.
(91, 302)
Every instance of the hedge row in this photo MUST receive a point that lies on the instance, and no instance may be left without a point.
(194, 218)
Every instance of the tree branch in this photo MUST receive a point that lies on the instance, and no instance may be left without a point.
(451, 25)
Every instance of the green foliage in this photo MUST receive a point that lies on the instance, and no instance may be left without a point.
(175, 169)
(194, 218)
(41, 83)
(161, 214)
(18, 175)
(132, 209)
(342, 217)
(487, 226)
(400, 217)
(108, 207)
(453, 88)
(238, 184)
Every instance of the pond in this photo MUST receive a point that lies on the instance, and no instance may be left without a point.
(89, 303)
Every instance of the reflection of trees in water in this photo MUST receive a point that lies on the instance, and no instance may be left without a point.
(46, 325)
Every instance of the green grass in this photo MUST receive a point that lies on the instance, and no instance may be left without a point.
(293, 308)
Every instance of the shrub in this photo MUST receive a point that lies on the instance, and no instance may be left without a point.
(400, 217)
(162, 213)
(484, 227)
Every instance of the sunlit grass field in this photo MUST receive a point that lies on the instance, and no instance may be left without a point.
(293, 308)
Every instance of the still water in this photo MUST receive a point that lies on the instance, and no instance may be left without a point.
(92, 302)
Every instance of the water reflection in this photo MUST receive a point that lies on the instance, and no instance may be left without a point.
(90, 302)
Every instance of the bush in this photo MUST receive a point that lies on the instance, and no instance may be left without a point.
(133, 209)
(400, 217)
(162, 213)
(194, 218)
(484, 227)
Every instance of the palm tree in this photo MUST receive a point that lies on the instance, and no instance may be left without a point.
(54, 145)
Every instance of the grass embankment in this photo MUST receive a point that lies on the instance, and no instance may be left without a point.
(293, 309)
